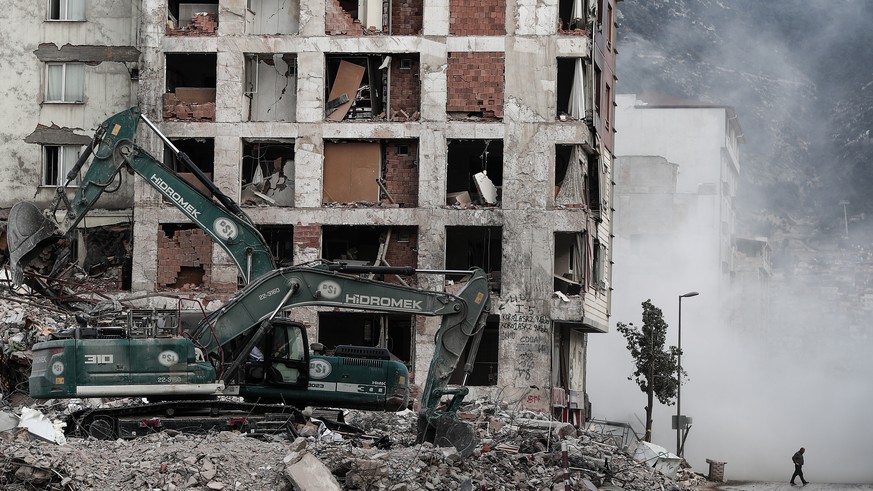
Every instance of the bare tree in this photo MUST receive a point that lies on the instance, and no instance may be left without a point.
(654, 366)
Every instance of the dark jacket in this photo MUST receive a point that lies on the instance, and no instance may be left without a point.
(797, 458)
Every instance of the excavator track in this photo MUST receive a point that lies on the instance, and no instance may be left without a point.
(192, 416)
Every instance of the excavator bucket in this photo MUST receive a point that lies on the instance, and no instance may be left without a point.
(446, 430)
(28, 232)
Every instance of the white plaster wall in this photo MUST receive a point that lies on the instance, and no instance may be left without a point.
(108, 88)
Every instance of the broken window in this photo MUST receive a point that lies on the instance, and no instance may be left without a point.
(575, 14)
(485, 360)
(358, 87)
(66, 10)
(280, 239)
(474, 172)
(271, 86)
(184, 257)
(201, 151)
(65, 82)
(189, 19)
(580, 179)
(598, 275)
(481, 247)
(571, 170)
(272, 16)
(572, 95)
(391, 331)
(365, 245)
(580, 261)
(57, 162)
(190, 87)
(268, 172)
(570, 265)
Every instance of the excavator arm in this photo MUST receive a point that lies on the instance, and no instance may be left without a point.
(114, 150)
(248, 315)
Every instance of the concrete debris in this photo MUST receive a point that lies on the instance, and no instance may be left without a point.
(518, 449)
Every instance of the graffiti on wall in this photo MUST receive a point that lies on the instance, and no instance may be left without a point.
(524, 327)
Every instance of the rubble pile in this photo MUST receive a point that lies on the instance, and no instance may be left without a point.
(24, 321)
(516, 450)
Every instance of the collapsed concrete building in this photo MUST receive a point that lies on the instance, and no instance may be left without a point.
(437, 134)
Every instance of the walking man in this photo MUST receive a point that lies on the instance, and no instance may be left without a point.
(797, 458)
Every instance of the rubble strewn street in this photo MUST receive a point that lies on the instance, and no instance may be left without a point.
(519, 450)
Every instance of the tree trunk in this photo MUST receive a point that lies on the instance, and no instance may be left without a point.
(649, 409)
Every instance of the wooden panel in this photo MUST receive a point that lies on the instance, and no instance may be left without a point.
(350, 172)
(348, 79)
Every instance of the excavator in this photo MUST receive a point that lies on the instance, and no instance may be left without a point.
(248, 361)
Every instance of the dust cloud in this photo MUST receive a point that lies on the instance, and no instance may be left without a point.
(757, 389)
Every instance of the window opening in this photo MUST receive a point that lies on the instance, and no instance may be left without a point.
(271, 86)
(201, 151)
(190, 87)
(268, 173)
(65, 82)
(66, 9)
(570, 266)
(192, 19)
(571, 93)
(280, 239)
(474, 173)
(481, 247)
(485, 361)
(58, 160)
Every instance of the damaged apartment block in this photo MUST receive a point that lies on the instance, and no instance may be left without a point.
(272, 17)
(380, 173)
(368, 87)
(190, 86)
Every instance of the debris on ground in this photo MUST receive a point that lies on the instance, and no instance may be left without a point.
(518, 449)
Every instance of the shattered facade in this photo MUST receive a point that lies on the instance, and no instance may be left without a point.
(436, 134)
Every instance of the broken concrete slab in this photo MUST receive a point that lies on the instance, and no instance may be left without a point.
(307, 473)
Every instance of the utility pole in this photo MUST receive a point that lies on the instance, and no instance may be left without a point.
(845, 216)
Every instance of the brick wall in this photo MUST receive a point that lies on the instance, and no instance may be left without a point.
(307, 237)
(477, 18)
(407, 17)
(475, 83)
(405, 88)
(403, 251)
(401, 172)
(183, 257)
(337, 21)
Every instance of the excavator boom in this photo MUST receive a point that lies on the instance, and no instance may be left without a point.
(114, 150)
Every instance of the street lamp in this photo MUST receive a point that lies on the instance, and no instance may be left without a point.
(679, 421)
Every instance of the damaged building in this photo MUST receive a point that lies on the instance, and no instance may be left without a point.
(436, 134)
